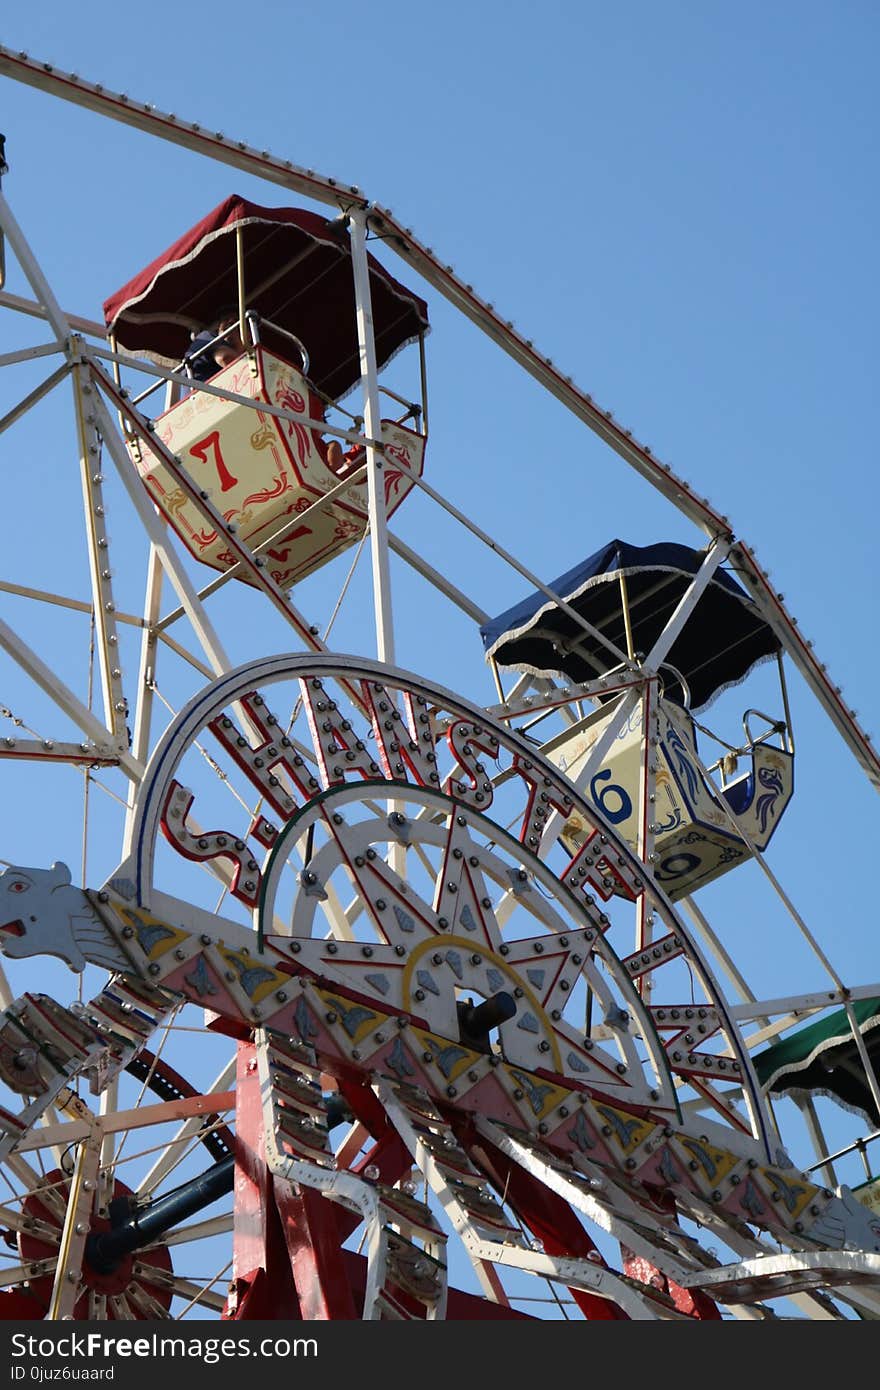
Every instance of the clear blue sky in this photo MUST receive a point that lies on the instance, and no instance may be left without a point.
(678, 203)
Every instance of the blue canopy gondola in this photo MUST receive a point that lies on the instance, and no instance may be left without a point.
(722, 640)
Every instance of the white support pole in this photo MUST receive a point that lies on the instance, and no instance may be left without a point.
(440, 581)
(596, 756)
(143, 714)
(647, 824)
(620, 658)
(722, 955)
(33, 397)
(31, 309)
(820, 1143)
(64, 697)
(716, 553)
(97, 541)
(146, 673)
(68, 1273)
(372, 426)
(38, 282)
(157, 532)
(29, 354)
(53, 750)
(114, 701)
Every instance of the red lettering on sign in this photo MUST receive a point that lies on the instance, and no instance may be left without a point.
(405, 742)
(468, 781)
(209, 844)
(545, 796)
(262, 763)
(337, 746)
(592, 867)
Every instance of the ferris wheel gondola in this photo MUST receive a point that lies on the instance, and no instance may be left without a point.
(438, 964)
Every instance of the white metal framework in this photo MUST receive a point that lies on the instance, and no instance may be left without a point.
(292, 805)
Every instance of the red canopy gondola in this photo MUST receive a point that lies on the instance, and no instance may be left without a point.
(298, 274)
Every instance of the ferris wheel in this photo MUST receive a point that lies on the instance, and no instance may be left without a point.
(465, 992)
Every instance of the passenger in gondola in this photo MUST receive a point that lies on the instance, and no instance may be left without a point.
(199, 363)
(221, 344)
(343, 462)
(231, 345)
(204, 360)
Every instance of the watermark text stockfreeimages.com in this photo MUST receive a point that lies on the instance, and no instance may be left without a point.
(78, 1346)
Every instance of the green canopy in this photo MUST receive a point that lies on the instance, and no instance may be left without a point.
(822, 1059)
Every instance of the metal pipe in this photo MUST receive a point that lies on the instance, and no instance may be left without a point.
(789, 732)
(105, 1250)
(4, 169)
(423, 373)
(475, 1022)
(239, 272)
(857, 1144)
(373, 426)
(627, 620)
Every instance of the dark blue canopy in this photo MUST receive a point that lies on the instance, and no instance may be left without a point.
(722, 639)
